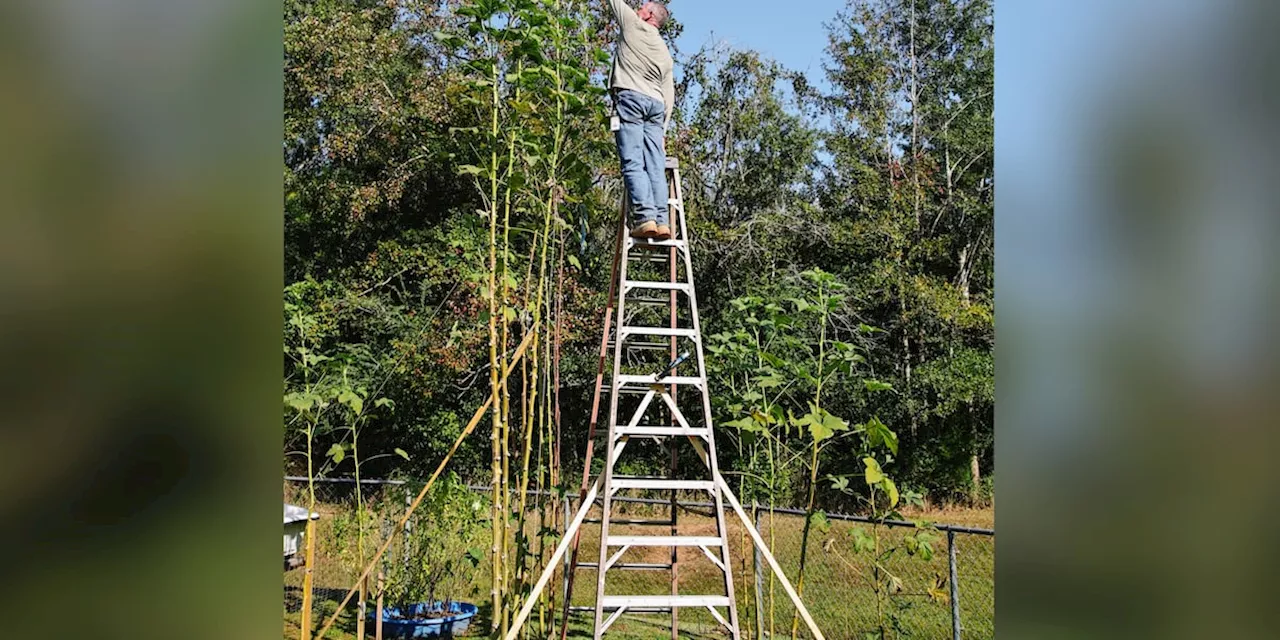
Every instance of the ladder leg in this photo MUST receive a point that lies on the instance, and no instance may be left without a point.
(678, 232)
(595, 414)
(614, 393)
(722, 529)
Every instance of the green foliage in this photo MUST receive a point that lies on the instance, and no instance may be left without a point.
(442, 548)
(880, 190)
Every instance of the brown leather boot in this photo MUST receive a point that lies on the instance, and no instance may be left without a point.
(663, 232)
(645, 229)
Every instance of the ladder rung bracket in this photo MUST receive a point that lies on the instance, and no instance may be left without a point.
(644, 431)
(601, 434)
(616, 556)
(580, 608)
(664, 541)
(714, 560)
(612, 618)
(651, 302)
(628, 285)
(663, 484)
(635, 391)
(626, 379)
(655, 258)
(719, 618)
(630, 566)
(649, 243)
(642, 346)
(633, 521)
(635, 330)
(611, 602)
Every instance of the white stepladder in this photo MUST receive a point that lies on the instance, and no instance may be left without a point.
(644, 406)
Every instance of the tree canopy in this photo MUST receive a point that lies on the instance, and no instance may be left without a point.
(451, 187)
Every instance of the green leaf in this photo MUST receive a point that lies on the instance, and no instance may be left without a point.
(801, 305)
(573, 260)
(878, 434)
(352, 400)
(891, 489)
(337, 452)
(769, 381)
(873, 473)
(509, 314)
(833, 423)
(745, 424)
(819, 521)
(862, 542)
(300, 401)
(470, 170)
(402, 453)
(384, 402)
(876, 385)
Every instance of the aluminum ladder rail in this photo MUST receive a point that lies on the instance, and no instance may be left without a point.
(658, 416)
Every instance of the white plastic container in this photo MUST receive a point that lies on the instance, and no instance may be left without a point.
(295, 528)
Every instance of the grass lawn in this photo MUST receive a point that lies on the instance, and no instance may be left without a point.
(837, 587)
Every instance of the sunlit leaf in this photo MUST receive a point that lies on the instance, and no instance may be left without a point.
(873, 473)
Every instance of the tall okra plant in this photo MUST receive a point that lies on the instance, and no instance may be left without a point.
(526, 68)
(780, 359)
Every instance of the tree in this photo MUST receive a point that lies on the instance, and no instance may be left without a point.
(911, 182)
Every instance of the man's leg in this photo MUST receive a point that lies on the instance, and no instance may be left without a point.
(631, 142)
(655, 159)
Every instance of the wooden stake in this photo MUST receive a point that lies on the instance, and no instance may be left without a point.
(764, 550)
(307, 577)
(377, 616)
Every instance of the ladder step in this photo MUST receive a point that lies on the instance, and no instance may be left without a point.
(615, 602)
(591, 609)
(657, 331)
(638, 345)
(664, 540)
(633, 566)
(628, 379)
(656, 258)
(628, 285)
(665, 484)
(649, 243)
(658, 431)
(649, 302)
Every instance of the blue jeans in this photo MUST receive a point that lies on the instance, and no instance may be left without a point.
(643, 160)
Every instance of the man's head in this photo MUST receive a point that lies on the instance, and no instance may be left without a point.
(655, 13)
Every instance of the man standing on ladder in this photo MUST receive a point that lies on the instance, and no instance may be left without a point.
(643, 96)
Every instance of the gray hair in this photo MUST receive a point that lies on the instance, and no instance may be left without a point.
(662, 12)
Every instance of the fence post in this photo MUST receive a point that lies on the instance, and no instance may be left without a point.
(564, 575)
(408, 526)
(755, 510)
(955, 588)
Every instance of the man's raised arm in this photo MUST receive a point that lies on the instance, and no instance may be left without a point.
(622, 12)
(669, 98)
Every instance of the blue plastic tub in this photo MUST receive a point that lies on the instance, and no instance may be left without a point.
(398, 622)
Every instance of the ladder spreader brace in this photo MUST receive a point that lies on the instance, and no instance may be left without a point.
(658, 393)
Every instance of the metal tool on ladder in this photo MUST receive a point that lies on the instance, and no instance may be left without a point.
(644, 406)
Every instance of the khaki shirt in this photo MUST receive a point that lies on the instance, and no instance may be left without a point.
(642, 62)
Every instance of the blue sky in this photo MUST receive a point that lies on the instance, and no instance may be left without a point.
(790, 32)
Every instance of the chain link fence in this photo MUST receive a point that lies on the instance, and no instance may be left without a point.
(859, 577)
